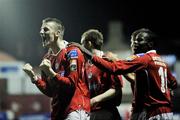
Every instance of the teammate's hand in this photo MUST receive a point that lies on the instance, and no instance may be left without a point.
(27, 68)
(111, 56)
(46, 67)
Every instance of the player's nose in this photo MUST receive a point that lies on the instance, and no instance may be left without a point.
(41, 32)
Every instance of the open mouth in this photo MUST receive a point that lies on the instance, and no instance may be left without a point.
(44, 40)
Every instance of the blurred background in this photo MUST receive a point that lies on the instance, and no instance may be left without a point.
(20, 42)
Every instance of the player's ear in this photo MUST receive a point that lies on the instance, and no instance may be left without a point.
(90, 44)
(57, 33)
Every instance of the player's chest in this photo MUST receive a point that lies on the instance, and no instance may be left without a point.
(59, 64)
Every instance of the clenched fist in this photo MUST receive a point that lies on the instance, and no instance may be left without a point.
(27, 68)
(45, 66)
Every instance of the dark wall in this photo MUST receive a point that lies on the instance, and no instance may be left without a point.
(20, 22)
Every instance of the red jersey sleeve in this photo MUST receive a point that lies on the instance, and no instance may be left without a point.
(172, 82)
(121, 66)
(67, 81)
(116, 81)
(44, 86)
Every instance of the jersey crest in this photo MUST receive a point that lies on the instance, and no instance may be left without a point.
(73, 54)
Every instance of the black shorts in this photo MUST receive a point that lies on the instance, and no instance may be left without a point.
(105, 114)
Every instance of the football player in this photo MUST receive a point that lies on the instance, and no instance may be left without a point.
(62, 74)
(105, 89)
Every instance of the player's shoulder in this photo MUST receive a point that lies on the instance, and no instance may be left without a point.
(131, 57)
(136, 56)
(73, 52)
(72, 47)
(140, 54)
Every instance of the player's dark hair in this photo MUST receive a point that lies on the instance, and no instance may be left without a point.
(145, 37)
(94, 36)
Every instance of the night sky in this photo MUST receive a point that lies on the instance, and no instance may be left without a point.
(20, 22)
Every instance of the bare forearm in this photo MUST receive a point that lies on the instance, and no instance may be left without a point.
(106, 95)
(130, 77)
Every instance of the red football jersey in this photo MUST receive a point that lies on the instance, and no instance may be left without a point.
(68, 89)
(99, 82)
(153, 80)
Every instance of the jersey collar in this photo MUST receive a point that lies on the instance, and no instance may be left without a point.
(151, 51)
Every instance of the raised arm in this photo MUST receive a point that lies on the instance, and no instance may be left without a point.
(41, 83)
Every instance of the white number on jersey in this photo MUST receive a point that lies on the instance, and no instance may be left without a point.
(163, 74)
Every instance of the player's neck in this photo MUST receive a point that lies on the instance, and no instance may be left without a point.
(60, 44)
